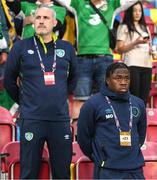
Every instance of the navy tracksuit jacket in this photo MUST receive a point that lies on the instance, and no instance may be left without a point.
(98, 135)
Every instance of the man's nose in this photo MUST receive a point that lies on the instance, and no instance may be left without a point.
(124, 81)
(41, 20)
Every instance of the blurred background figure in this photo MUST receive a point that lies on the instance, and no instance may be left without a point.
(134, 43)
(4, 42)
(7, 35)
(93, 49)
(154, 47)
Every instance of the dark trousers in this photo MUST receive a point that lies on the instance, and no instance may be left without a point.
(140, 82)
(103, 173)
(33, 135)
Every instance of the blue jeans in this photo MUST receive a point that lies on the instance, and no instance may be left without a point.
(91, 75)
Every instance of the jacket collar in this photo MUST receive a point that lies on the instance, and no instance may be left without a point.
(54, 38)
(105, 91)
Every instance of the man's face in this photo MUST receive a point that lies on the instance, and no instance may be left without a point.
(119, 81)
(44, 21)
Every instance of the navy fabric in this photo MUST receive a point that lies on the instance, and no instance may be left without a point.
(58, 137)
(36, 100)
(101, 173)
(98, 135)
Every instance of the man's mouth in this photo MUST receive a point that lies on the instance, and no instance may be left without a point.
(42, 27)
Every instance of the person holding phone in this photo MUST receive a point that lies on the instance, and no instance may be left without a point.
(133, 42)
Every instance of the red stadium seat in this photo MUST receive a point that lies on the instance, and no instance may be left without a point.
(150, 170)
(82, 166)
(151, 115)
(150, 155)
(11, 164)
(7, 130)
(152, 102)
(7, 127)
(152, 132)
(152, 125)
(153, 95)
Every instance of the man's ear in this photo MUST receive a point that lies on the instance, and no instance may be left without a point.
(55, 22)
(107, 82)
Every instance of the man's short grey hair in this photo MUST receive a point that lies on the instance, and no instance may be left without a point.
(48, 7)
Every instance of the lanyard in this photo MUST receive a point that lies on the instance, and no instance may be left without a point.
(115, 116)
(40, 58)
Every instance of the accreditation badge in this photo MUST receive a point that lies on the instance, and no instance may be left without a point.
(49, 78)
(125, 138)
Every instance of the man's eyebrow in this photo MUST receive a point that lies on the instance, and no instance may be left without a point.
(45, 16)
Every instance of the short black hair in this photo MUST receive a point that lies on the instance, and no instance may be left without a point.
(116, 65)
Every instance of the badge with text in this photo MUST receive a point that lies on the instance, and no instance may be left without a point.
(49, 78)
(125, 138)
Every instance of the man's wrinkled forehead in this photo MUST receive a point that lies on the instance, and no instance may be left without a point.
(44, 11)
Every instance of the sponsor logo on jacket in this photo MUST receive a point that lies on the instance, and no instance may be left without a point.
(109, 114)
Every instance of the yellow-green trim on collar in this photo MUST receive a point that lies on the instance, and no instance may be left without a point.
(54, 37)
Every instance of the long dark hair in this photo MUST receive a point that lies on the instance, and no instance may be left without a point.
(129, 21)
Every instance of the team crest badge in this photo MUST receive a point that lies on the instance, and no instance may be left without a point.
(60, 52)
(135, 111)
(29, 136)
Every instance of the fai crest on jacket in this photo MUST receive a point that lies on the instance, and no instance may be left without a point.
(135, 111)
(60, 53)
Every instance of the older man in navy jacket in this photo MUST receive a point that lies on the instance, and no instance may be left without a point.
(47, 71)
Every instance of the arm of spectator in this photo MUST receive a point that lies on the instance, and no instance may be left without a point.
(64, 2)
(122, 47)
(3, 57)
(14, 5)
(28, 20)
(125, 4)
(67, 4)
